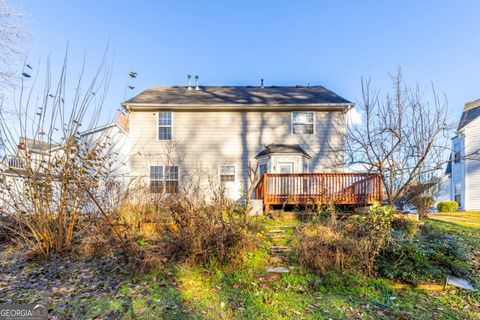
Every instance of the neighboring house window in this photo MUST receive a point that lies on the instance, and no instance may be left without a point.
(164, 126)
(227, 173)
(458, 193)
(161, 176)
(305, 167)
(303, 122)
(457, 152)
(262, 169)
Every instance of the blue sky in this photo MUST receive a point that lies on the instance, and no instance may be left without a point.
(329, 43)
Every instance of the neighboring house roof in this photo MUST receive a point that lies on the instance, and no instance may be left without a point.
(36, 145)
(121, 122)
(238, 96)
(471, 111)
(282, 148)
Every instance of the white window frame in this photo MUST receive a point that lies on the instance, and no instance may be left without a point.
(164, 177)
(227, 165)
(314, 123)
(157, 115)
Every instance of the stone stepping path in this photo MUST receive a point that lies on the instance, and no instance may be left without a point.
(278, 262)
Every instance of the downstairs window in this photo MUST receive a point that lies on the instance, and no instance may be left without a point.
(164, 179)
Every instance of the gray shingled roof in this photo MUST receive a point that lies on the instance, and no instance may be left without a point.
(236, 95)
(282, 148)
(468, 116)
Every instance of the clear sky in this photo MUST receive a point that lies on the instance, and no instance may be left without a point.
(329, 43)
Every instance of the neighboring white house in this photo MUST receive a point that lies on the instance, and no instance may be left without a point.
(117, 145)
(464, 165)
(13, 166)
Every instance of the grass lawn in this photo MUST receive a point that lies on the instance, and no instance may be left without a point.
(464, 224)
(235, 291)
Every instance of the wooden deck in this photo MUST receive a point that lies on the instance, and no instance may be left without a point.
(319, 188)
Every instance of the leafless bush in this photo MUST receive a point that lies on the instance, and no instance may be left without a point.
(195, 224)
(353, 244)
(49, 173)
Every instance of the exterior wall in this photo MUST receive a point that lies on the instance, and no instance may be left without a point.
(472, 166)
(445, 189)
(207, 139)
(117, 146)
(458, 173)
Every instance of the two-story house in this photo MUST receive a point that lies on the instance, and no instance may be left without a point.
(292, 133)
(464, 167)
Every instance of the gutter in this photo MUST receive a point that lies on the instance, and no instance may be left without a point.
(238, 107)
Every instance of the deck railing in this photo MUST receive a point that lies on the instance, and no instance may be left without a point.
(14, 162)
(319, 188)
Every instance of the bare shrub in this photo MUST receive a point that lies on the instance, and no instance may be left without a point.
(348, 244)
(49, 172)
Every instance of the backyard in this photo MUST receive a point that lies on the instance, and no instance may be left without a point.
(102, 288)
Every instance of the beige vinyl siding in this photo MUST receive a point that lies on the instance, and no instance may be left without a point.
(208, 139)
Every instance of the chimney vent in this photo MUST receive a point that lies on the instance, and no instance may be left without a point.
(189, 82)
(196, 83)
(261, 83)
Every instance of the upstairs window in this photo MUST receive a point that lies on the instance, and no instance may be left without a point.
(303, 122)
(164, 178)
(457, 152)
(164, 126)
(227, 173)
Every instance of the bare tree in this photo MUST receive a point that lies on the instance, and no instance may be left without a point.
(403, 136)
(11, 36)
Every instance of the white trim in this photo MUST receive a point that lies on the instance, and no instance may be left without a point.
(314, 122)
(101, 128)
(157, 114)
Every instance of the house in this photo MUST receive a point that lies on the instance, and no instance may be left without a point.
(113, 139)
(294, 134)
(464, 167)
(35, 154)
(13, 170)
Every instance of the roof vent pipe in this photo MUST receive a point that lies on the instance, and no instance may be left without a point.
(261, 83)
(189, 82)
(196, 83)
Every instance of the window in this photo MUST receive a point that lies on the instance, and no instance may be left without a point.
(303, 122)
(161, 177)
(458, 193)
(262, 169)
(305, 167)
(227, 173)
(164, 126)
(457, 149)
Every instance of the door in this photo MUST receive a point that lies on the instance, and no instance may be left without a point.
(286, 184)
(285, 167)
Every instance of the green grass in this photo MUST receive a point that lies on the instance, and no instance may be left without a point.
(233, 292)
(463, 224)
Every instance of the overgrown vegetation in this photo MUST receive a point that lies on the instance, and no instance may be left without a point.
(447, 206)
(429, 255)
(346, 244)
